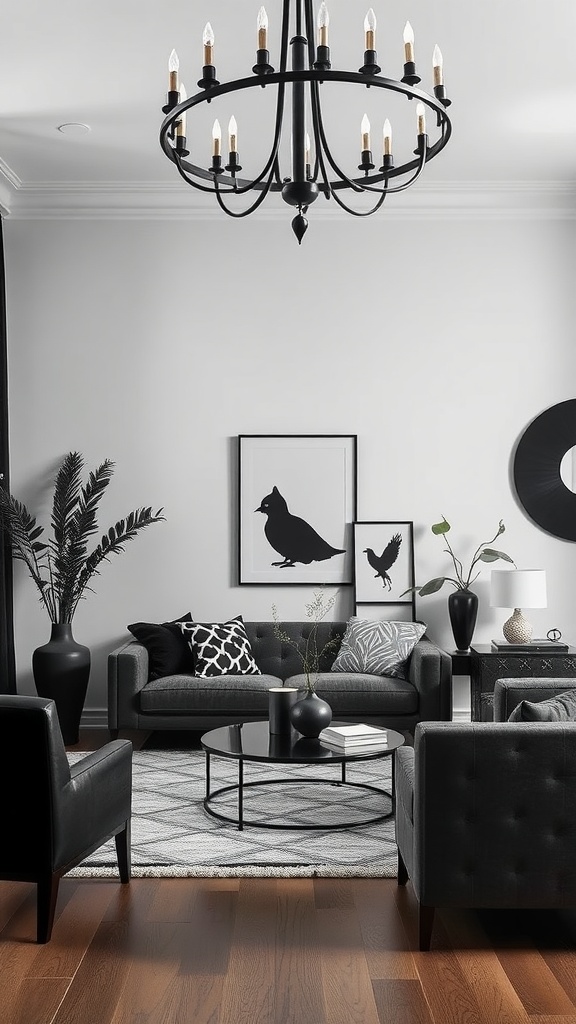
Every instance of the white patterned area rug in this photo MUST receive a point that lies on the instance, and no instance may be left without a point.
(174, 836)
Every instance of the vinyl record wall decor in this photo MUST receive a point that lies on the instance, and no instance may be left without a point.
(538, 479)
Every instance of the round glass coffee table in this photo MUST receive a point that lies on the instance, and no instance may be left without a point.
(253, 742)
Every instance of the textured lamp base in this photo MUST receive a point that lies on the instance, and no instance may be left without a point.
(516, 629)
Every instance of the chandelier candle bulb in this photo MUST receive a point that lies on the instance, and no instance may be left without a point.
(370, 30)
(438, 65)
(216, 138)
(421, 115)
(323, 22)
(208, 40)
(173, 65)
(232, 135)
(387, 138)
(365, 130)
(408, 43)
(262, 26)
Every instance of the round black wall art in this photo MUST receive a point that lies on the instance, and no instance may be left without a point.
(537, 479)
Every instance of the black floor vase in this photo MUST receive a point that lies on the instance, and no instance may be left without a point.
(463, 609)
(61, 670)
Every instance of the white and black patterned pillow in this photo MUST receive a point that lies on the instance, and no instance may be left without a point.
(378, 648)
(220, 648)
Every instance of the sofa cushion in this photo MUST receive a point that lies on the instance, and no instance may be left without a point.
(561, 708)
(382, 648)
(226, 695)
(168, 652)
(220, 648)
(360, 694)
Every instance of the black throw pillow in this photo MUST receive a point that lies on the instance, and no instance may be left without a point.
(561, 708)
(168, 652)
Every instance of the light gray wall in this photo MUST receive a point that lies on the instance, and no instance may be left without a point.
(155, 343)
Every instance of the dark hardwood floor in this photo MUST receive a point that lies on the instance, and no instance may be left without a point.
(276, 951)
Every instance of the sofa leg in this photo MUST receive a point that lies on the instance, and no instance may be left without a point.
(425, 922)
(402, 872)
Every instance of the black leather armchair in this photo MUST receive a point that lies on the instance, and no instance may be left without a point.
(54, 815)
(486, 815)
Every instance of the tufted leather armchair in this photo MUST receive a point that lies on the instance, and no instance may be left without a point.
(486, 814)
(53, 815)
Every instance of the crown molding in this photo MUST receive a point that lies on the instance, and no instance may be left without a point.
(158, 200)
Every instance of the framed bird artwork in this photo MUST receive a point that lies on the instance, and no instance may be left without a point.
(296, 507)
(384, 567)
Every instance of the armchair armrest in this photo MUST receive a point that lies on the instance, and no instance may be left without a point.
(510, 692)
(127, 674)
(430, 671)
(95, 803)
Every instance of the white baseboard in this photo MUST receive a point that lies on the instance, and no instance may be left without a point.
(461, 715)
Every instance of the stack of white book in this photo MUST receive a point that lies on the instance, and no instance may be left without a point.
(354, 739)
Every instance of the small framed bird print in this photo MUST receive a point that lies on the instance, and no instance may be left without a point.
(384, 564)
(297, 504)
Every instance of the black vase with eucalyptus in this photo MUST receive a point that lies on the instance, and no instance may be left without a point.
(463, 610)
(310, 715)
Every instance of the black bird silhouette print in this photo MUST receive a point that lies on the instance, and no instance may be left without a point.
(290, 536)
(386, 560)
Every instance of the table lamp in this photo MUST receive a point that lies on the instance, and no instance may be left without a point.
(517, 589)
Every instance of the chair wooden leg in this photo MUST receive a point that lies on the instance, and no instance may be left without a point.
(425, 922)
(402, 872)
(47, 896)
(123, 852)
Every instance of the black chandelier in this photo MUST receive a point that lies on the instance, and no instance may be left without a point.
(313, 168)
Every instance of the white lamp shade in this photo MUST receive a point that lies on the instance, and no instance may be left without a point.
(518, 588)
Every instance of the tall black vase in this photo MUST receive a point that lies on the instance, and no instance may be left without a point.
(463, 609)
(61, 670)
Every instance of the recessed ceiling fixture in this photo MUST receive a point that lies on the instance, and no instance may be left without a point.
(313, 169)
(74, 128)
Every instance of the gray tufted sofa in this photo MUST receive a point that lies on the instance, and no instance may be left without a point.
(187, 702)
(486, 811)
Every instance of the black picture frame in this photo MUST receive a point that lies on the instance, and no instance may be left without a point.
(384, 569)
(315, 476)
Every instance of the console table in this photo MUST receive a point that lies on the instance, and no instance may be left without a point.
(487, 665)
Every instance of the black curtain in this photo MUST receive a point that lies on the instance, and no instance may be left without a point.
(7, 661)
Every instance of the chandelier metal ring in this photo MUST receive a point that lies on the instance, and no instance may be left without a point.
(321, 77)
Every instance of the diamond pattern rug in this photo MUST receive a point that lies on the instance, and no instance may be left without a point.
(173, 835)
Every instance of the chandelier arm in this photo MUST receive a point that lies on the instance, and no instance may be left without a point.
(238, 214)
(360, 213)
(410, 181)
(321, 137)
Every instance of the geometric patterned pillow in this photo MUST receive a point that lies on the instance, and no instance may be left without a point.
(220, 648)
(377, 648)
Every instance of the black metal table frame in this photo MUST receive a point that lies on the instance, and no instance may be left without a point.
(240, 821)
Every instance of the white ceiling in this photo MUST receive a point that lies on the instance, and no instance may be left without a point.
(509, 70)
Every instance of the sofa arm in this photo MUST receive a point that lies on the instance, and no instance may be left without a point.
(127, 674)
(493, 802)
(510, 692)
(430, 672)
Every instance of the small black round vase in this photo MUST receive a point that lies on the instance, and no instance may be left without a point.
(463, 609)
(310, 715)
